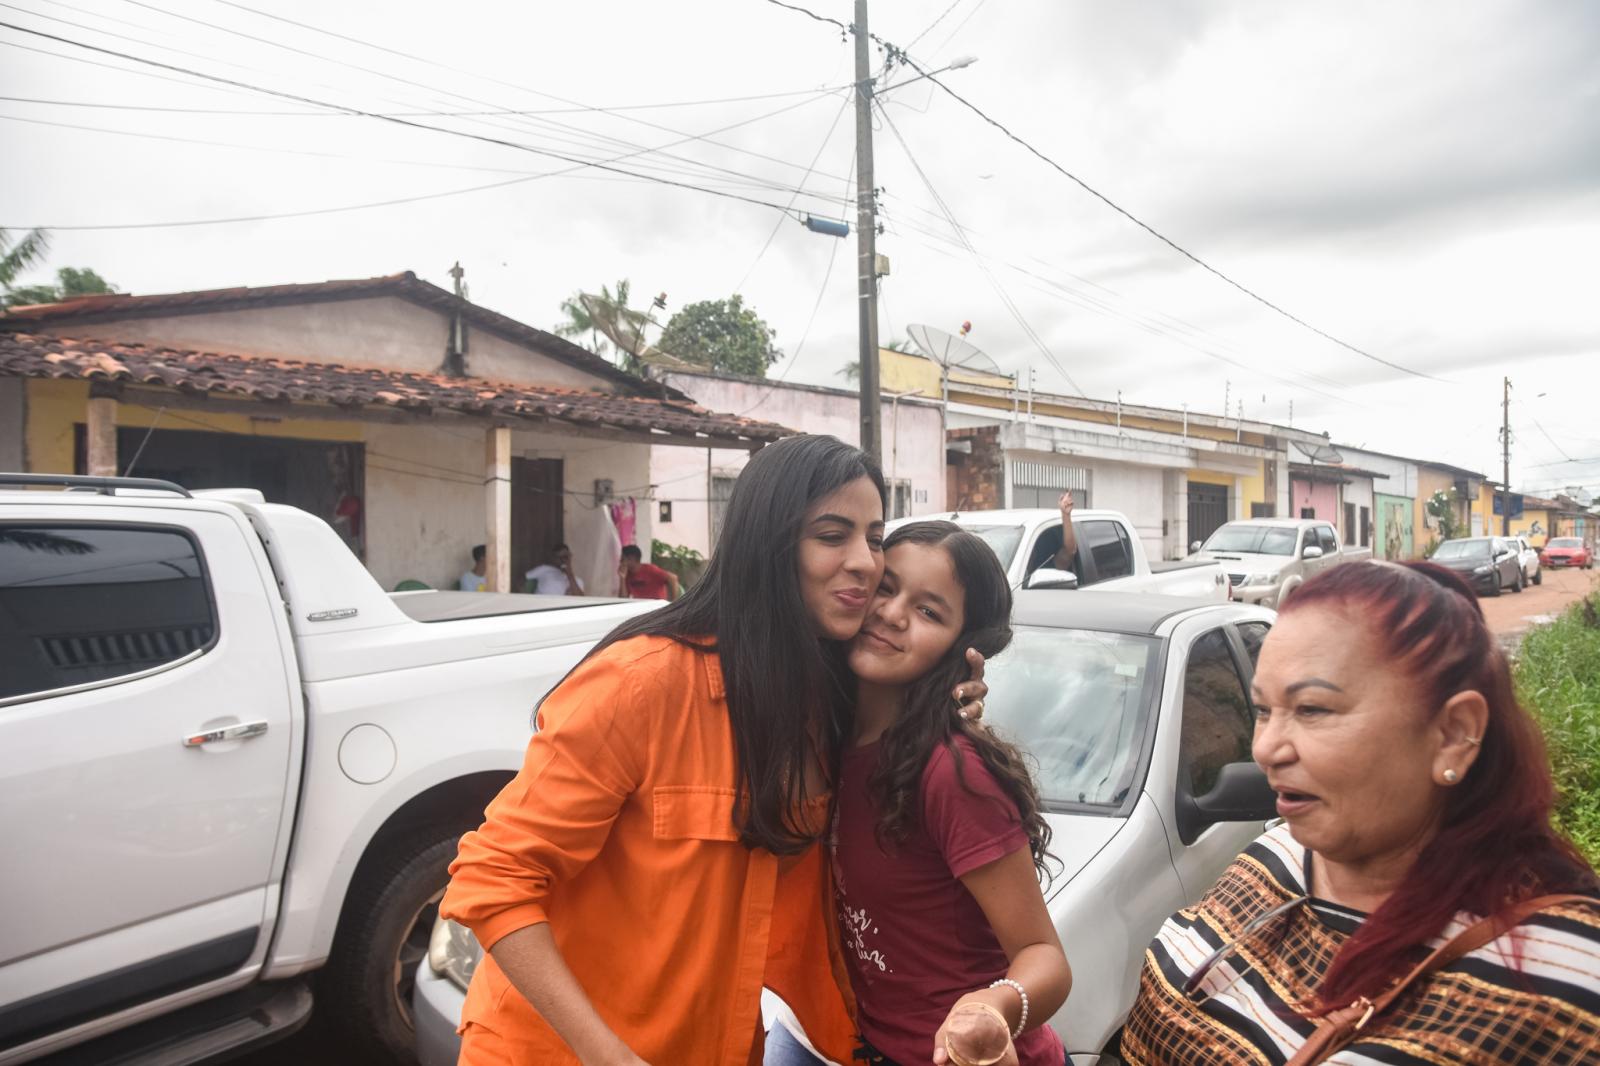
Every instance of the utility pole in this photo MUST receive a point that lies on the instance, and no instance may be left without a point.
(1505, 454)
(866, 239)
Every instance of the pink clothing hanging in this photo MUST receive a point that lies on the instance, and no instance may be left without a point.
(624, 515)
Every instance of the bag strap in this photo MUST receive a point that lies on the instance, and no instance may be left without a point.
(1339, 1027)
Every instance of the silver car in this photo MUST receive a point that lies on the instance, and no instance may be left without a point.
(1136, 710)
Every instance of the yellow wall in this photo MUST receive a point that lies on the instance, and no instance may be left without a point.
(1210, 477)
(55, 407)
(1252, 490)
(1522, 525)
(902, 372)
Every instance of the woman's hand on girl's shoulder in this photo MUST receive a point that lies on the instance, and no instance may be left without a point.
(970, 694)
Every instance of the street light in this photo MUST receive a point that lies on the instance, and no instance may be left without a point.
(954, 64)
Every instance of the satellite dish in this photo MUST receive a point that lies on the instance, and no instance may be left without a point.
(1320, 453)
(948, 350)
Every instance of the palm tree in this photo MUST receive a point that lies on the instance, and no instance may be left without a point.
(15, 258)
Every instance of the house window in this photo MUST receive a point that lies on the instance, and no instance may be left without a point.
(899, 499)
(1308, 512)
(721, 491)
(1041, 484)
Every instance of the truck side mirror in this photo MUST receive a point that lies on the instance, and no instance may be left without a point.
(1047, 578)
(1311, 552)
(1241, 794)
(1194, 546)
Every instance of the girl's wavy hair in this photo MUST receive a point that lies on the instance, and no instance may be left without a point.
(928, 719)
(1496, 844)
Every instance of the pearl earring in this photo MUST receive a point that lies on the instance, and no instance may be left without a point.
(1451, 777)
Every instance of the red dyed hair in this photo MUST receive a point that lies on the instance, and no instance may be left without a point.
(1496, 844)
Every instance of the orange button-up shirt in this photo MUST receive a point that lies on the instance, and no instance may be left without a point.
(619, 833)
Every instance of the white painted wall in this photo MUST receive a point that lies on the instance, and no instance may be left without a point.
(1402, 479)
(426, 502)
(385, 332)
(913, 445)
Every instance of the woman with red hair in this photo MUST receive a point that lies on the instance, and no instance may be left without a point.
(1415, 906)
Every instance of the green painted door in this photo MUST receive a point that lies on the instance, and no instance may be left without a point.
(1394, 527)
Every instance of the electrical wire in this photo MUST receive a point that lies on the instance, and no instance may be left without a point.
(813, 15)
(826, 137)
(416, 114)
(1163, 238)
(930, 27)
(900, 55)
(405, 122)
(797, 193)
(122, 70)
(1005, 297)
(496, 81)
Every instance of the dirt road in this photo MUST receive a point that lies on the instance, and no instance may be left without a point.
(1511, 614)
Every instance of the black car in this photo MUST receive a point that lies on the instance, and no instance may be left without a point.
(1488, 563)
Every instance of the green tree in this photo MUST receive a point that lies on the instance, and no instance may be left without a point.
(721, 335)
(70, 282)
(15, 257)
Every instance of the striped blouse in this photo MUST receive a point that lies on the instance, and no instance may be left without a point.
(1484, 1008)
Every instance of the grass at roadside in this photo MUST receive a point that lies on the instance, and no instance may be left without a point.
(1558, 679)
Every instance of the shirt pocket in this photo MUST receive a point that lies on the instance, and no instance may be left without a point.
(695, 812)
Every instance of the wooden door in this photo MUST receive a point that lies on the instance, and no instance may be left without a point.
(537, 514)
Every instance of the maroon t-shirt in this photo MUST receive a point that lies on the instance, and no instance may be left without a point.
(647, 582)
(914, 938)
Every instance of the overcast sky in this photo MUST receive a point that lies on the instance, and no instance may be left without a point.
(1421, 181)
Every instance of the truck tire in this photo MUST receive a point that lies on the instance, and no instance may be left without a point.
(364, 993)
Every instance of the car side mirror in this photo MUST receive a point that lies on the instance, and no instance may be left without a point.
(1047, 578)
(1311, 552)
(1241, 794)
(1194, 546)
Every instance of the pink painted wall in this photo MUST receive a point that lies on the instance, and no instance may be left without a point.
(1323, 497)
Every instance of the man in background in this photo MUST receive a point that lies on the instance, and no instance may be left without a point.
(555, 577)
(473, 580)
(639, 580)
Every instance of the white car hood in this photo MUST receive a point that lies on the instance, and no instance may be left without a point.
(1247, 562)
(1075, 840)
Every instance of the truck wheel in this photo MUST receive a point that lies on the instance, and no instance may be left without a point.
(364, 993)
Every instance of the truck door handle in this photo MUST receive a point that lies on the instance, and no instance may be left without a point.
(242, 731)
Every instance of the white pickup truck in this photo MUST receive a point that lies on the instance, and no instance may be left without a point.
(1111, 557)
(1268, 558)
(230, 762)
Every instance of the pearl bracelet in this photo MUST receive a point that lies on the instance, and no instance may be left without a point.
(1022, 1021)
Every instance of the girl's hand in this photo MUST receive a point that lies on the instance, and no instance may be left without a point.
(976, 1032)
(969, 695)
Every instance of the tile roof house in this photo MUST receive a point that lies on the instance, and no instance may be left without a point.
(418, 422)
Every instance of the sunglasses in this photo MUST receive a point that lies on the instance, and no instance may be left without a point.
(1192, 987)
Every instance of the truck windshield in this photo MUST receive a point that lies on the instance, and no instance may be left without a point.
(1003, 539)
(1075, 700)
(1256, 540)
(1463, 549)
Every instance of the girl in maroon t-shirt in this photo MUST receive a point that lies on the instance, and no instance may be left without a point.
(938, 838)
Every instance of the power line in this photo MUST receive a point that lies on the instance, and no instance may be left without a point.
(930, 27)
(900, 54)
(1005, 297)
(1163, 238)
(826, 137)
(410, 123)
(812, 14)
(206, 142)
(496, 81)
(414, 114)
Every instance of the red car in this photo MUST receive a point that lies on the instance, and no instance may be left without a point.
(1566, 551)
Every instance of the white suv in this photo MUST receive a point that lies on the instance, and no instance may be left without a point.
(1530, 561)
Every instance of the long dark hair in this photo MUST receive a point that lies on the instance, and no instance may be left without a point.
(788, 700)
(928, 721)
(1496, 844)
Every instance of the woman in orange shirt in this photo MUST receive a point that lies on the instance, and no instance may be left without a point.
(655, 862)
